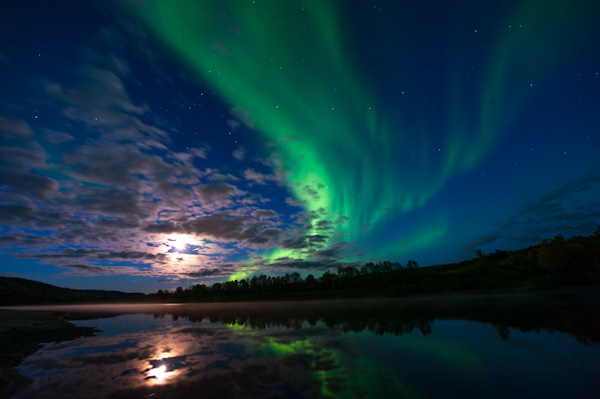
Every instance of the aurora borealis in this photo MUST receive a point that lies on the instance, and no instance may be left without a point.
(154, 144)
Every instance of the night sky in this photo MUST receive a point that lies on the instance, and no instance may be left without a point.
(154, 144)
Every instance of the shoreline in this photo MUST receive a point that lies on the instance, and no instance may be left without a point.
(22, 334)
(342, 295)
(357, 294)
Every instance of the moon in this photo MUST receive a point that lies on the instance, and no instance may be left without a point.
(179, 241)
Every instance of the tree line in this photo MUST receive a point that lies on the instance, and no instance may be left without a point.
(370, 275)
(551, 263)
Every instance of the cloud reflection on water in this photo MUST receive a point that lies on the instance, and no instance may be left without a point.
(377, 348)
(215, 360)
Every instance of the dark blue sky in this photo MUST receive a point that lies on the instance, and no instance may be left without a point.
(147, 145)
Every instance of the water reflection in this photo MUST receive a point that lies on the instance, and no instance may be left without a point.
(427, 347)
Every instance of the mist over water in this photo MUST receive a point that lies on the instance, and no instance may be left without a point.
(521, 345)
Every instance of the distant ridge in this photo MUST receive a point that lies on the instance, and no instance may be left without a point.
(20, 291)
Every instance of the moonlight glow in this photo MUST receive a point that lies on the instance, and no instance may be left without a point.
(180, 241)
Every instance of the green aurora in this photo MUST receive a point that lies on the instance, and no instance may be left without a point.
(364, 375)
(343, 149)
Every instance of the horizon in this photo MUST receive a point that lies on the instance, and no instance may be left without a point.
(147, 147)
(410, 264)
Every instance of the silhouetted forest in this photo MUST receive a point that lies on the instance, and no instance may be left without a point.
(558, 262)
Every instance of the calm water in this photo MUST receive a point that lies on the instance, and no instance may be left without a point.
(489, 346)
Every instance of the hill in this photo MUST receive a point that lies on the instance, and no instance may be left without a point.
(19, 291)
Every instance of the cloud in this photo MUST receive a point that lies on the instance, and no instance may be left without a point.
(186, 157)
(92, 253)
(220, 226)
(101, 102)
(216, 192)
(294, 202)
(312, 192)
(28, 240)
(127, 169)
(272, 233)
(243, 116)
(66, 253)
(341, 219)
(323, 225)
(304, 241)
(85, 269)
(116, 173)
(219, 271)
(128, 222)
(89, 269)
(318, 252)
(333, 252)
(239, 153)
(26, 215)
(265, 214)
(199, 152)
(365, 227)
(8, 240)
(54, 137)
(233, 124)
(103, 90)
(26, 156)
(117, 165)
(114, 202)
(23, 163)
(14, 129)
(258, 178)
(28, 184)
(222, 177)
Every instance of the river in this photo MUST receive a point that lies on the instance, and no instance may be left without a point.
(506, 345)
